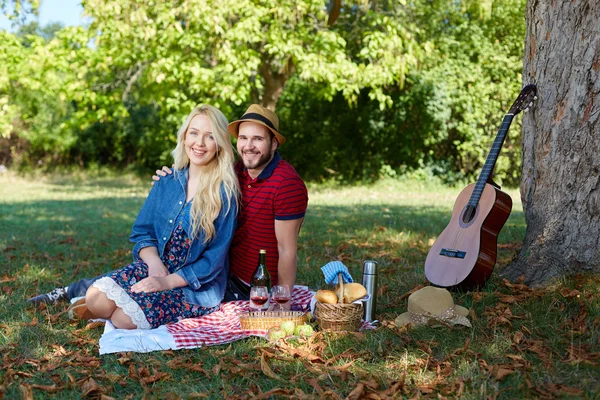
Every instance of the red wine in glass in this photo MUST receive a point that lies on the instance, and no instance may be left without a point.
(260, 300)
(281, 300)
(281, 294)
(259, 295)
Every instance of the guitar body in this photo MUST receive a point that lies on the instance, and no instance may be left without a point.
(464, 254)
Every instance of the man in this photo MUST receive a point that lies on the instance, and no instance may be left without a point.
(274, 201)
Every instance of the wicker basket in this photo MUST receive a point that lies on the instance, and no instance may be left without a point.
(265, 320)
(339, 317)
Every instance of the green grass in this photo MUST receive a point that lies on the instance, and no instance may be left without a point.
(542, 343)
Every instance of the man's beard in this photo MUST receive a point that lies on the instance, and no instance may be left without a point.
(260, 163)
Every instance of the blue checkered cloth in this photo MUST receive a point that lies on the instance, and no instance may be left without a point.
(331, 271)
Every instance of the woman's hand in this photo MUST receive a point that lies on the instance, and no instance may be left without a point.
(157, 270)
(151, 284)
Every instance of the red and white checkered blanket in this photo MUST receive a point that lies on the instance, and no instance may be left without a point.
(219, 327)
(223, 326)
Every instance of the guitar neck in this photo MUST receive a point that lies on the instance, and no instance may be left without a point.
(490, 162)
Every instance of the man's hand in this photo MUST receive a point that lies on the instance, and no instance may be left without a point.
(151, 284)
(161, 172)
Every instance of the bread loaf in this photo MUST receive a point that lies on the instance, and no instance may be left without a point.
(353, 292)
(326, 296)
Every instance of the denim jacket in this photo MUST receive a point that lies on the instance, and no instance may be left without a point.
(206, 264)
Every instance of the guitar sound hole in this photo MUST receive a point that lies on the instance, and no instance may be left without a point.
(469, 214)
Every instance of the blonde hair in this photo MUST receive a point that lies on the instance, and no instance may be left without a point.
(207, 202)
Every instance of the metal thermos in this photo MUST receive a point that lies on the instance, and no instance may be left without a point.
(369, 281)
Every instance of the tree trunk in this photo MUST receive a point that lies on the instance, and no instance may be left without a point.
(274, 82)
(560, 182)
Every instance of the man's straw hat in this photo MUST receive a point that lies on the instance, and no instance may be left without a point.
(432, 303)
(260, 115)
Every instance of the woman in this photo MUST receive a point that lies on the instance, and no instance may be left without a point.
(181, 235)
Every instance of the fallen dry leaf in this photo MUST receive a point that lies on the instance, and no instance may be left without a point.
(501, 373)
(516, 357)
(26, 390)
(133, 373)
(311, 368)
(344, 367)
(196, 395)
(298, 352)
(124, 360)
(394, 389)
(154, 378)
(570, 293)
(517, 337)
(90, 388)
(581, 354)
(516, 287)
(143, 372)
(315, 384)
(94, 325)
(48, 388)
(271, 393)
(426, 389)
(266, 369)
(570, 390)
(357, 392)
(371, 384)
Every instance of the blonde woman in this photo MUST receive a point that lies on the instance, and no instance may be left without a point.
(181, 235)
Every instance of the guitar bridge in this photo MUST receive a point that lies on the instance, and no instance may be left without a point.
(453, 253)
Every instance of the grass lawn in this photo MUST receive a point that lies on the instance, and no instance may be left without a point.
(525, 343)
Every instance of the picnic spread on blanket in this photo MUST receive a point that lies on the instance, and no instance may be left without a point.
(236, 320)
(220, 327)
(341, 309)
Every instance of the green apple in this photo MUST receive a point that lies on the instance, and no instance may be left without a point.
(304, 330)
(288, 327)
(276, 333)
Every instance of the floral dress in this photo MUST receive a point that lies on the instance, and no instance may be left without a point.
(151, 310)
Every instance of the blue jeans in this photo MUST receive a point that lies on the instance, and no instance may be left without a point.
(236, 290)
(78, 289)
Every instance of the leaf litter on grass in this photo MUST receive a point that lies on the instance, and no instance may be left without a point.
(525, 342)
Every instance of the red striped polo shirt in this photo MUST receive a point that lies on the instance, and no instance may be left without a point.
(277, 193)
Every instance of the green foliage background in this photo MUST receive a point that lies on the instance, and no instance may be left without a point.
(390, 87)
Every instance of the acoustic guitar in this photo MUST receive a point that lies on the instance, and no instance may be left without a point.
(464, 254)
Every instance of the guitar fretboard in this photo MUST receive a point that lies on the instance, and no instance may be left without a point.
(490, 162)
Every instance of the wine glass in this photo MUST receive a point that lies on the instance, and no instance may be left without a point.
(281, 295)
(259, 295)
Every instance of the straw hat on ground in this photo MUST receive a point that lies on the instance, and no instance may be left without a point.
(259, 115)
(432, 303)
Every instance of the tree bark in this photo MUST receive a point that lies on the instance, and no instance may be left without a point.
(560, 181)
(274, 82)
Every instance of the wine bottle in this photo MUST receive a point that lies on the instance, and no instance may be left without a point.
(261, 275)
